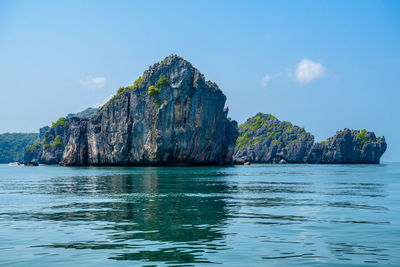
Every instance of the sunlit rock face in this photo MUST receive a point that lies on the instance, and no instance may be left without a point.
(170, 116)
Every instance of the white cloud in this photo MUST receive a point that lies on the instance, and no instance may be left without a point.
(308, 70)
(265, 80)
(93, 82)
(268, 78)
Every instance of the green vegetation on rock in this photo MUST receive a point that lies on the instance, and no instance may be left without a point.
(138, 82)
(363, 138)
(63, 122)
(121, 90)
(263, 127)
(242, 140)
(33, 147)
(258, 121)
(162, 81)
(153, 90)
(58, 142)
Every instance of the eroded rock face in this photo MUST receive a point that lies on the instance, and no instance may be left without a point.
(265, 139)
(171, 116)
(348, 146)
(50, 148)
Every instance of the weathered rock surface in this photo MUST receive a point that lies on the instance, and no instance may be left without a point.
(348, 146)
(50, 148)
(170, 116)
(265, 139)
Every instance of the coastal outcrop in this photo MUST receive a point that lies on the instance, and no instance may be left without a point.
(170, 116)
(348, 146)
(50, 148)
(265, 139)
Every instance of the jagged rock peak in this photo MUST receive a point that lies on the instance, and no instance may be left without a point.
(174, 66)
(349, 146)
(169, 116)
(265, 139)
(174, 71)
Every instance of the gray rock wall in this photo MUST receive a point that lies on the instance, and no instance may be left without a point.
(348, 146)
(265, 139)
(183, 122)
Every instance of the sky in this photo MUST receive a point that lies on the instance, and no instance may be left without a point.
(323, 65)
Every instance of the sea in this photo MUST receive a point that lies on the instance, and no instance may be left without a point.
(257, 215)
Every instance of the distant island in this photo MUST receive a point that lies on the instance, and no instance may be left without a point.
(84, 113)
(265, 139)
(12, 145)
(172, 115)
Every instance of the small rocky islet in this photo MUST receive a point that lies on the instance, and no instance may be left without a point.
(172, 115)
(265, 139)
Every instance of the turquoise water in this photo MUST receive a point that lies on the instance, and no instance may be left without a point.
(258, 215)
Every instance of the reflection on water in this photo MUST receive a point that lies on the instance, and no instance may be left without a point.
(243, 215)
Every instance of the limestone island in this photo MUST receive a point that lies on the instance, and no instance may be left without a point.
(172, 116)
(265, 139)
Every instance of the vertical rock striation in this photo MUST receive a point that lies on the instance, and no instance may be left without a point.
(50, 148)
(170, 116)
(348, 146)
(265, 139)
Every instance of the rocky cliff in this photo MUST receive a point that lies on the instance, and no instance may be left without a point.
(170, 116)
(50, 148)
(348, 146)
(265, 139)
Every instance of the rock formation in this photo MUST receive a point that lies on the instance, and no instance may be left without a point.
(348, 146)
(50, 148)
(170, 116)
(265, 139)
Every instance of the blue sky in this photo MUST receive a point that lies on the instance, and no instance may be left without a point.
(324, 65)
